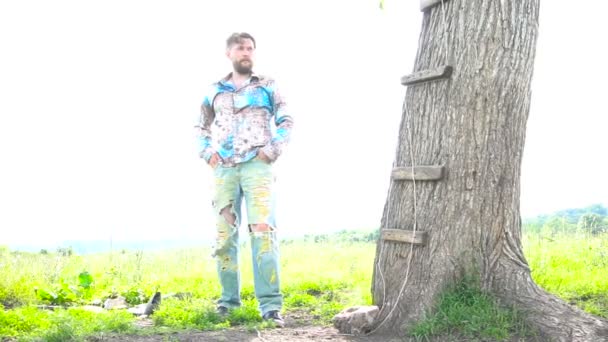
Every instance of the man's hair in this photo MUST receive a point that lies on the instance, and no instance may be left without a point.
(237, 38)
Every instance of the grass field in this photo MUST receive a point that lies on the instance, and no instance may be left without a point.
(318, 278)
(572, 266)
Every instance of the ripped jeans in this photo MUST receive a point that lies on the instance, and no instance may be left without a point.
(252, 180)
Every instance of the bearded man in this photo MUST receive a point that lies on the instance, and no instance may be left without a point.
(243, 128)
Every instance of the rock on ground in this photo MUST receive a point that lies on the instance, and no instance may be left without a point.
(356, 320)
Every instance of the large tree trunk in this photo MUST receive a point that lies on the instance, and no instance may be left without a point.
(474, 124)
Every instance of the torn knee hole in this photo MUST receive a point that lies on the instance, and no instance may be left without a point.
(228, 215)
(260, 227)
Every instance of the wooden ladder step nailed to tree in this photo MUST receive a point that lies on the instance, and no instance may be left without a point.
(422, 76)
(411, 173)
(472, 122)
(401, 235)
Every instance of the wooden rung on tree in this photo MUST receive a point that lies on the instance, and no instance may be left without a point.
(427, 4)
(427, 75)
(408, 173)
(408, 236)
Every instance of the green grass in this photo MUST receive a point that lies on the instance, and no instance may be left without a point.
(340, 278)
(572, 266)
(72, 324)
(466, 311)
(318, 279)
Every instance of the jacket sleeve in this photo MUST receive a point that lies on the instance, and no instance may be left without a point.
(203, 127)
(283, 122)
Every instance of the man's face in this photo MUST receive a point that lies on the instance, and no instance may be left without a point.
(242, 56)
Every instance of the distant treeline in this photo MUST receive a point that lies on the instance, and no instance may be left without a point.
(592, 219)
(347, 236)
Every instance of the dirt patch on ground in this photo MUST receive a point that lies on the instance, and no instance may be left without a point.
(311, 333)
(302, 333)
(298, 327)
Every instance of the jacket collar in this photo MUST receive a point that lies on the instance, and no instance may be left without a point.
(254, 78)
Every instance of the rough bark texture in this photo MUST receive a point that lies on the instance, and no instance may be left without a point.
(474, 123)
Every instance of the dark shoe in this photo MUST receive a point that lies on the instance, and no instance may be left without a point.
(222, 311)
(274, 316)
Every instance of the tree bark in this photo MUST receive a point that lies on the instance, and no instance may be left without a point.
(473, 123)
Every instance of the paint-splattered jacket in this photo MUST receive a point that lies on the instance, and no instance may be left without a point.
(236, 123)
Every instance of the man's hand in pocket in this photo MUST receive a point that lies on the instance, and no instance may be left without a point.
(214, 160)
(262, 156)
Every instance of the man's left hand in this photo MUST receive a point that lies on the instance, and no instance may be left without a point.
(262, 156)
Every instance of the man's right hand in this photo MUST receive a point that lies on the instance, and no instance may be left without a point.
(214, 160)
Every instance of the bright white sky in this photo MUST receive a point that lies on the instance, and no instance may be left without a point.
(98, 100)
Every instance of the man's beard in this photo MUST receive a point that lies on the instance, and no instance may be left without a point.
(243, 69)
